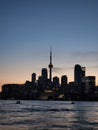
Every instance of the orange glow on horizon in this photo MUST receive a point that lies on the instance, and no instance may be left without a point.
(21, 79)
(20, 76)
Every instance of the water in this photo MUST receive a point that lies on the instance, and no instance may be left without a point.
(48, 115)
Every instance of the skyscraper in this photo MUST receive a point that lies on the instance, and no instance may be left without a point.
(56, 81)
(33, 77)
(83, 71)
(44, 74)
(90, 83)
(77, 74)
(50, 66)
(64, 81)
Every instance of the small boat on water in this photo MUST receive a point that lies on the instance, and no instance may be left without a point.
(72, 103)
(18, 102)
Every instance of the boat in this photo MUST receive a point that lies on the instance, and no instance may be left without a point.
(18, 102)
(72, 103)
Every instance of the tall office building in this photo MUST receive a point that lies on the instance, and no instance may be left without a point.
(44, 74)
(33, 77)
(77, 74)
(64, 81)
(56, 81)
(50, 66)
(83, 71)
(90, 83)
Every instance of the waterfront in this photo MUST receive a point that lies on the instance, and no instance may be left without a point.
(48, 115)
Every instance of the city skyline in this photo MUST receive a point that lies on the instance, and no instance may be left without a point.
(47, 74)
(28, 29)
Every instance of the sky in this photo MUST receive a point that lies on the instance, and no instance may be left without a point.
(28, 28)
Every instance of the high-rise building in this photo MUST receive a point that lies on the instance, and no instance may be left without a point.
(56, 81)
(50, 66)
(83, 71)
(44, 74)
(64, 81)
(33, 77)
(90, 83)
(77, 75)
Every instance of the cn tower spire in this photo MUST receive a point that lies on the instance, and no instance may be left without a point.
(50, 66)
(50, 56)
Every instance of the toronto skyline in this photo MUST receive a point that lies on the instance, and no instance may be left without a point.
(28, 28)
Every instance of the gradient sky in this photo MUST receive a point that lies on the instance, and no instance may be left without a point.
(28, 28)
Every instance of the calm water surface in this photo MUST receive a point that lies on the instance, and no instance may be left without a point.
(48, 115)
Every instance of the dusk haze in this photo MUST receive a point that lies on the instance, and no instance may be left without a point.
(48, 64)
(29, 28)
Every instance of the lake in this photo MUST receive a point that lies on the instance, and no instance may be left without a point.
(48, 115)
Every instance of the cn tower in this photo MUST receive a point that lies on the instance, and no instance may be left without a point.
(50, 66)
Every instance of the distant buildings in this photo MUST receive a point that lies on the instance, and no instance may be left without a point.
(44, 74)
(83, 69)
(79, 73)
(64, 81)
(85, 84)
(33, 77)
(89, 83)
(83, 88)
(56, 81)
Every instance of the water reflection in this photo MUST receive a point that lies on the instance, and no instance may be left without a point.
(86, 115)
(49, 115)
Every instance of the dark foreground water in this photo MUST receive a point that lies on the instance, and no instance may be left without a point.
(48, 115)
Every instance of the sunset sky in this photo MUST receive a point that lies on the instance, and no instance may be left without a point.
(28, 28)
